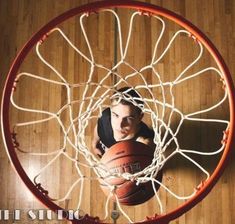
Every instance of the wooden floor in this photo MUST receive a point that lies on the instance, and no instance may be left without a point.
(19, 20)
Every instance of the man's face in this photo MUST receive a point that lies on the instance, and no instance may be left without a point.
(125, 121)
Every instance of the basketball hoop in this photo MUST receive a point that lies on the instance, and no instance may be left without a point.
(77, 113)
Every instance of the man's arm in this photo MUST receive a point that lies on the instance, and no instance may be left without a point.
(95, 143)
(146, 141)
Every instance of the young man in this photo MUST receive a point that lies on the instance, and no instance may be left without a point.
(122, 121)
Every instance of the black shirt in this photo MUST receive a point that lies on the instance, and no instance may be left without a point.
(105, 131)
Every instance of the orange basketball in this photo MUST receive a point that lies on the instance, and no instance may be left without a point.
(128, 157)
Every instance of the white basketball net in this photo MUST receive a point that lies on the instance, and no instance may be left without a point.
(91, 106)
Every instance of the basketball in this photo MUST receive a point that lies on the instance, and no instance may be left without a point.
(128, 157)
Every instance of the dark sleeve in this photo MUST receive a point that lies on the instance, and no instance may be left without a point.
(145, 131)
(104, 129)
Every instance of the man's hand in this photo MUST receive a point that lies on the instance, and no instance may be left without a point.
(97, 152)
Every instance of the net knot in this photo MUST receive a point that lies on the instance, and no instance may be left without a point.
(201, 185)
(41, 189)
(145, 13)
(149, 218)
(15, 142)
(225, 137)
(15, 84)
(193, 37)
(223, 83)
(89, 12)
(44, 37)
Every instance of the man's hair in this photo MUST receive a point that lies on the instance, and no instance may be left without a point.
(128, 96)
